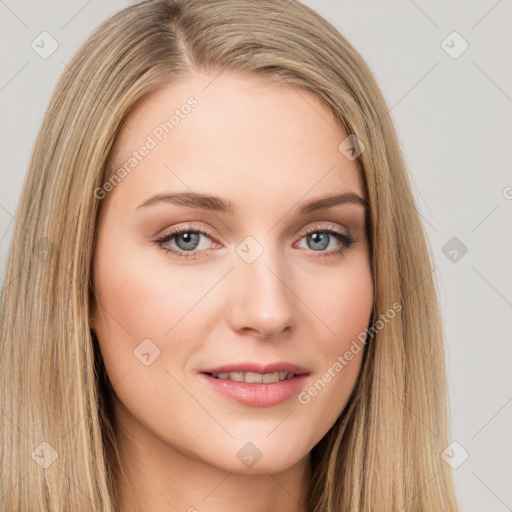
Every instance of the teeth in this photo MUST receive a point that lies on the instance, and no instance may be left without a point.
(254, 378)
(270, 377)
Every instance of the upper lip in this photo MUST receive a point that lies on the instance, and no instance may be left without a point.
(258, 368)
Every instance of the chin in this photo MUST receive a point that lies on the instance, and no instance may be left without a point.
(259, 458)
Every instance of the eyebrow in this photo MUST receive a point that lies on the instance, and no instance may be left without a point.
(213, 203)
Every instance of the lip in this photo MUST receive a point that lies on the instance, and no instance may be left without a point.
(257, 394)
(257, 368)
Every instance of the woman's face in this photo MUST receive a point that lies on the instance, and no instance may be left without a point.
(191, 286)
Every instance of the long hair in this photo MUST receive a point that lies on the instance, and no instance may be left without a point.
(57, 443)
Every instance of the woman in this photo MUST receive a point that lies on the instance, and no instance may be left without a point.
(219, 293)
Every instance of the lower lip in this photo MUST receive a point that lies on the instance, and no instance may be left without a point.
(257, 395)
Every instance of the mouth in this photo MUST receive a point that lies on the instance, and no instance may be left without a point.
(257, 385)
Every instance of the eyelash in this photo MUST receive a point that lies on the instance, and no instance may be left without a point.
(345, 239)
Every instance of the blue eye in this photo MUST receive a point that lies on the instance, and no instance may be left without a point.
(319, 239)
(187, 242)
(190, 240)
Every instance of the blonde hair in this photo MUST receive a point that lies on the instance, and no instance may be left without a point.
(384, 451)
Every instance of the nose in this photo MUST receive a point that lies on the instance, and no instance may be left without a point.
(263, 301)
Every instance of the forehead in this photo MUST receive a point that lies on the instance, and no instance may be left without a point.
(235, 136)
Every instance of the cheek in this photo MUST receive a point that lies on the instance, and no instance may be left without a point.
(343, 300)
(140, 298)
(146, 327)
(144, 290)
(137, 299)
(344, 304)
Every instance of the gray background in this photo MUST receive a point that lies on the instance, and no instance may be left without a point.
(454, 121)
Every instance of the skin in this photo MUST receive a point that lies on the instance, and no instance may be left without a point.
(268, 149)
